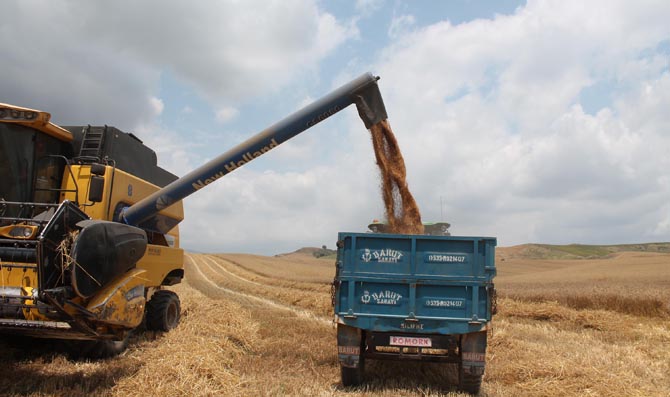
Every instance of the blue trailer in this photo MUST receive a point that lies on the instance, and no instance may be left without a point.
(414, 297)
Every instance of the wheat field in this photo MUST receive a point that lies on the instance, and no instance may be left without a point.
(255, 325)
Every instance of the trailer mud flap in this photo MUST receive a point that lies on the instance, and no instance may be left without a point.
(349, 343)
(473, 353)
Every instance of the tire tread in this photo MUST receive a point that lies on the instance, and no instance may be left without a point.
(157, 309)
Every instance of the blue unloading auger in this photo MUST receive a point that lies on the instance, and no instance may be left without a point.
(363, 91)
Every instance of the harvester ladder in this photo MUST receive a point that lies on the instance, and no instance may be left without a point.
(91, 145)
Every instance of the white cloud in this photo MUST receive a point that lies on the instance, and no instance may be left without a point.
(488, 116)
(331, 33)
(175, 154)
(368, 7)
(401, 25)
(87, 61)
(157, 105)
(226, 114)
(645, 106)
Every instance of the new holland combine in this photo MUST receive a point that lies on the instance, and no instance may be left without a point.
(89, 234)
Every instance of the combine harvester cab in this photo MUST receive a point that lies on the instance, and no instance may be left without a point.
(89, 234)
(414, 297)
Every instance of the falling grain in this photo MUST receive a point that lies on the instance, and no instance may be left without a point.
(401, 210)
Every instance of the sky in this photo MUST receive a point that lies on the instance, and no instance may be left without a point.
(529, 121)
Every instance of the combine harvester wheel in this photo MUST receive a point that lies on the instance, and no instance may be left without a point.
(163, 311)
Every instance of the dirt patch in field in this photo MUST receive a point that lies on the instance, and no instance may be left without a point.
(402, 213)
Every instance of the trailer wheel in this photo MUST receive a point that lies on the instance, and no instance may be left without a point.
(163, 311)
(470, 383)
(353, 376)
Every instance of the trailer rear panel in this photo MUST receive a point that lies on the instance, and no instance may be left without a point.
(413, 297)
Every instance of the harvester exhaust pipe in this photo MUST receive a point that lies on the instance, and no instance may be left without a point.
(363, 91)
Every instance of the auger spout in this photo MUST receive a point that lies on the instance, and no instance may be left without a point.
(363, 91)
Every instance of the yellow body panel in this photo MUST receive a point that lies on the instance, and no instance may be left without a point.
(122, 301)
(19, 279)
(18, 276)
(158, 261)
(120, 188)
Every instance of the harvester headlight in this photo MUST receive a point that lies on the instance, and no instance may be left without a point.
(18, 231)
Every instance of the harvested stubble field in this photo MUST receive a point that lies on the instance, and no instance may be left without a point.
(257, 325)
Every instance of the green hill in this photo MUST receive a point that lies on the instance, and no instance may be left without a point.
(576, 251)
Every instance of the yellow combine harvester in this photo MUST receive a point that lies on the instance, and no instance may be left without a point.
(67, 270)
(88, 220)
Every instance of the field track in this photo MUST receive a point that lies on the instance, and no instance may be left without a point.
(287, 314)
(205, 283)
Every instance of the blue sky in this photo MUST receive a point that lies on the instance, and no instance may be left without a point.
(538, 121)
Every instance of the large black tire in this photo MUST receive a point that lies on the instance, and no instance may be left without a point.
(353, 376)
(163, 311)
(470, 383)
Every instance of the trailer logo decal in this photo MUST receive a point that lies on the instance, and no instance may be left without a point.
(381, 298)
(474, 357)
(384, 255)
(349, 350)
